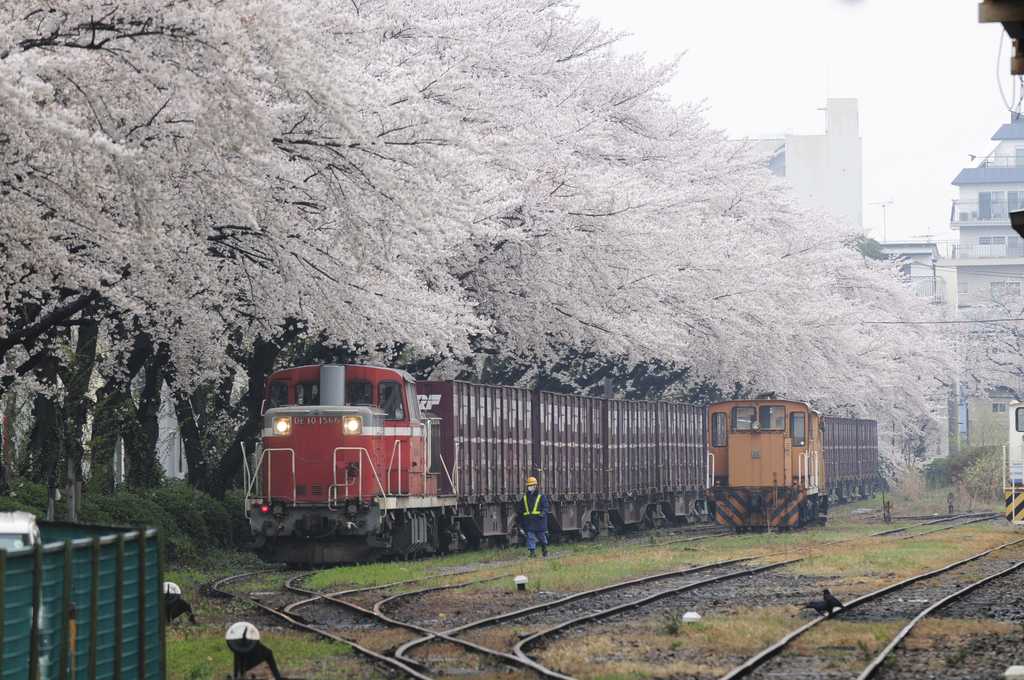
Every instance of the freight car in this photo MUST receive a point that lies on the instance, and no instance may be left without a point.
(777, 462)
(360, 462)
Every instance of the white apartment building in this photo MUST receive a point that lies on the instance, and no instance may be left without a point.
(987, 260)
(824, 169)
(920, 267)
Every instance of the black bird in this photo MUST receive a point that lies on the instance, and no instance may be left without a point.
(826, 605)
(175, 605)
(831, 600)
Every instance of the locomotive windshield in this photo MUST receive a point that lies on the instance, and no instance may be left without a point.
(278, 393)
(307, 394)
(773, 418)
(359, 393)
(743, 417)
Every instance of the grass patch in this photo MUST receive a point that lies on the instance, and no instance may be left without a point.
(837, 637)
(663, 647)
(893, 558)
(201, 654)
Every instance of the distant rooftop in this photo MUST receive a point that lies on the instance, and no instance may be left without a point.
(1012, 130)
(991, 175)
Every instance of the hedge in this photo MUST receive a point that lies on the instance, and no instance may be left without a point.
(190, 521)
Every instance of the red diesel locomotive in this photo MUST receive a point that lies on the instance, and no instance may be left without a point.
(344, 470)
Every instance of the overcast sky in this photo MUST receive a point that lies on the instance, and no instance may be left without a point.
(924, 72)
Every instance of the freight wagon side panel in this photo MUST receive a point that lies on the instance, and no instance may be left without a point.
(617, 472)
(493, 424)
(493, 432)
(571, 446)
(680, 443)
(851, 451)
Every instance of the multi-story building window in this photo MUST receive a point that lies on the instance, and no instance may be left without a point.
(1005, 291)
(998, 407)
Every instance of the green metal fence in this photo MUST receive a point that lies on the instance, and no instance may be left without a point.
(98, 600)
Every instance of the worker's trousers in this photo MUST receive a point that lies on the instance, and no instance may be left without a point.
(535, 537)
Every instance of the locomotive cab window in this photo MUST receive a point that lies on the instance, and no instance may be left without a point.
(798, 428)
(359, 393)
(718, 431)
(278, 393)
(773, 418)
(307, 394)
(391, 400)
(1019, 415)
(743, 418)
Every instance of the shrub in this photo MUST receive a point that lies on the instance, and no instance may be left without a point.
(190, 521)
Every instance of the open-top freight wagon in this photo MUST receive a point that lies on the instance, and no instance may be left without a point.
(359, 462)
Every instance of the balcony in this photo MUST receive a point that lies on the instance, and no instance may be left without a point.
(1002, 162)
(995, 212)
(933, 287)
(1010, 246)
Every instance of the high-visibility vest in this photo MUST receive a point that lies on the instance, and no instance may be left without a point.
(526, 506)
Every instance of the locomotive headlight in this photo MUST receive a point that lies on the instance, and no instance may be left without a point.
(352, 425)
(282, 425)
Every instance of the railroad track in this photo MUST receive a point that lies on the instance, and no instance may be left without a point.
(995, 601)
(775, 660)
(402, 660)
(376, 613)
(534, 639)
(216, 589)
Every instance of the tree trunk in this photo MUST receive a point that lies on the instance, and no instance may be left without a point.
(141, 438)
(76, 408)
(109, 422)
(105, 431)
(46, 442)
(7, 443)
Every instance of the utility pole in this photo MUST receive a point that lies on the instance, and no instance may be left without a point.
(884, 204)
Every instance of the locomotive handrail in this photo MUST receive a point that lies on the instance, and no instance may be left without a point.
(710, 481)
(451, 482)
(255, 476)
(332, 491)
(246, 483)
(334, 465)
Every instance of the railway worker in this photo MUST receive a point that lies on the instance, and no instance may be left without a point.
(533, 518)
(951, 502)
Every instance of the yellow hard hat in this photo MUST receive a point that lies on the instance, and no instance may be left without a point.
(531, 481)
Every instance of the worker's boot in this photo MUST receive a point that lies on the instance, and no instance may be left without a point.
(544, 550)
(533, 553)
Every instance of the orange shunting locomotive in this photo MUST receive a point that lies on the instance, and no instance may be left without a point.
(776, 462)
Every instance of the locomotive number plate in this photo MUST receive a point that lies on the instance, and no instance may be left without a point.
(315, 420)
